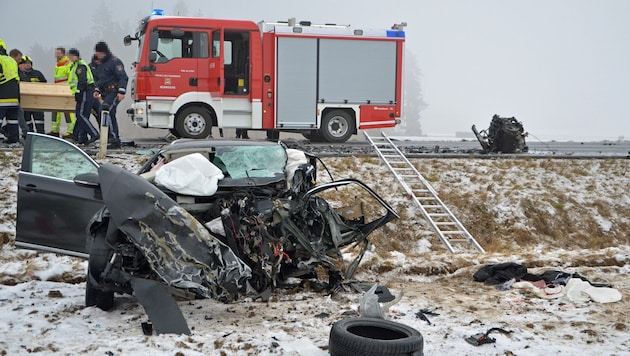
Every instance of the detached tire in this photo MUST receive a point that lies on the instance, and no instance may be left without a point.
(193, 122)
(100, 253)
(372, 337)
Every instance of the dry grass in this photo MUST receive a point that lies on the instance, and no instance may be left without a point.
(508, 205)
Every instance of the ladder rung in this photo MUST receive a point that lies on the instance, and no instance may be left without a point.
(459, 240)
(452, 232)
(437, 215)
(444, 223)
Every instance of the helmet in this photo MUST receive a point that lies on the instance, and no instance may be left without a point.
(26, 59)
(3, 45)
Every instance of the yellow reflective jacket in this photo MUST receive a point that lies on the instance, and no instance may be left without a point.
(9, 82)
(62, 69)
(80, 76)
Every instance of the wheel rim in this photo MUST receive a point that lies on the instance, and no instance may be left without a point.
(337, 126)
(194, 124)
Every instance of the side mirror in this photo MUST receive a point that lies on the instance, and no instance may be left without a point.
(127, 40)
(152, 57)
(87, 180)
(153, 41)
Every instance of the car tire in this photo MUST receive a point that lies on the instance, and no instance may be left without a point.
(370, 336)
(193, 122)
(100, 253)
(337, 126)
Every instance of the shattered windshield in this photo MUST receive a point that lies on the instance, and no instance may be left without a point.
(251, 161)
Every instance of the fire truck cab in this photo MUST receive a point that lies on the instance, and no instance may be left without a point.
(324, 81)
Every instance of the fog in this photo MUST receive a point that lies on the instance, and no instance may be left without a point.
(561, 67)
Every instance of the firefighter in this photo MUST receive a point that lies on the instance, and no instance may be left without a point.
(9, 94)
(16, 54)
(81, 84)
(61, 76)
(28, 74)
(111, 86)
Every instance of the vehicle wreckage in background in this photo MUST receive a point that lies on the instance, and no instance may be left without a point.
(505, 135)
(211, 219)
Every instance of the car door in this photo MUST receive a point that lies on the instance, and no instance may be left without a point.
(57, 196)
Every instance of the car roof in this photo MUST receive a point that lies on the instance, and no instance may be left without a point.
(189, 143)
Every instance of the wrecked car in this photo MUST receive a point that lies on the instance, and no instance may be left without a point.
(205, 218)
(505, 135)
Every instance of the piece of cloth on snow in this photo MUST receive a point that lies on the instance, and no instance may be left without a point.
(602, 294)
(500, 273)
(574, 289)
(549, 292)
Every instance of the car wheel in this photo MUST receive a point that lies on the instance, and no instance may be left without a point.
(193, 122)
(370, 336)
(337, 126)
(100, 253)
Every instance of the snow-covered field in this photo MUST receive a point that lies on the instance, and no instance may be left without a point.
(546, 214)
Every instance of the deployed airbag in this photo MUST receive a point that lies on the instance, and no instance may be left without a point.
(192, 174)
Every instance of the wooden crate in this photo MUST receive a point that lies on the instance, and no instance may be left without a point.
(46, 97)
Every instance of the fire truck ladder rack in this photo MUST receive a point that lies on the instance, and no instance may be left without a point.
(442, 221)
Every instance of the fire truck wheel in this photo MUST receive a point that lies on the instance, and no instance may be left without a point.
(337, 126)
(194, 122)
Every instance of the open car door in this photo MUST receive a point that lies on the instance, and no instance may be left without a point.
(58, 193)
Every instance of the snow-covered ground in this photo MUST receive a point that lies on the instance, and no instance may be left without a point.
(545, 214)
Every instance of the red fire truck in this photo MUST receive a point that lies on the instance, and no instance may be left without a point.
(324, 81)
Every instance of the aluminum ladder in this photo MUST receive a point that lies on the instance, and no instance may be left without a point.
(442, 221)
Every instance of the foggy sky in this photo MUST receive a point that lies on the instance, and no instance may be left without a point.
(562, 67)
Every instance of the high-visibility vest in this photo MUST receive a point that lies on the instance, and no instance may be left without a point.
(9, 92)
(62, 69)
(9, 69)
(73, 79)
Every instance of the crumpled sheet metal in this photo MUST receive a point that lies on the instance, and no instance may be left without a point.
(178, 247)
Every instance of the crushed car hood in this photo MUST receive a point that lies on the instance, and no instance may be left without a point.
(179, 248)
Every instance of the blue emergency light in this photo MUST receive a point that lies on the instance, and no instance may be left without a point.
(395, 33)
(158, 12)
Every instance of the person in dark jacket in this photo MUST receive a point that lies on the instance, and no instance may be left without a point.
(28, 74)
(111, 87)
(81, 83)
(96, 105)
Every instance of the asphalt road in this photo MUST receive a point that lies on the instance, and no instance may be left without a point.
(423, 148)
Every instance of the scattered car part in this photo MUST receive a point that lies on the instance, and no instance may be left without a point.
(483, 338)
(422, 315)
(371, 337)
(370, 304)
(505, 135)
